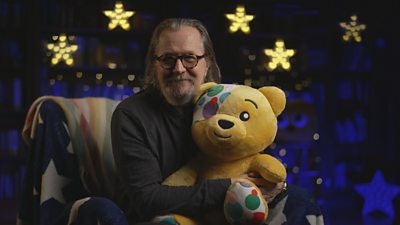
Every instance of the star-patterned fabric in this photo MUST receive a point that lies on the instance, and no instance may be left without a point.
(54, 192)
(295, 206)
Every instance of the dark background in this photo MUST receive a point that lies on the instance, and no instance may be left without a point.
(341, 124)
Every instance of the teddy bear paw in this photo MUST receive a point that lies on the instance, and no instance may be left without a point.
(244, 204)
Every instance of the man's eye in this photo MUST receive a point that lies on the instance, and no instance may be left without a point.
(189, 58)
(169, 59)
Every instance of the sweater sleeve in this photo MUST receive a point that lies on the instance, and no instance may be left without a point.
(141, 171)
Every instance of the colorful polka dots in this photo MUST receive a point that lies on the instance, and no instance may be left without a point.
(235, 210)
(244, 204)
(252, 202)
(215, 90)
(209, 104)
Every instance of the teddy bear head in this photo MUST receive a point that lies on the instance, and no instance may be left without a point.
(231, 122)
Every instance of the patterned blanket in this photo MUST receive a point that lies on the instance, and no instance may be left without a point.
(70, 150)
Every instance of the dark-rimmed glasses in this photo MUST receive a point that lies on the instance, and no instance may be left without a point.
(168, 61)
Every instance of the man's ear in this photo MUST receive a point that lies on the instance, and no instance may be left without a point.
(203, 88)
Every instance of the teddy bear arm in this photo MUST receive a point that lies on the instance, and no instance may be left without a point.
(185, 176)
(269, 168)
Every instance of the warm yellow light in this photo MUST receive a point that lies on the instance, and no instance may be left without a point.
(131, 77)
(112, 65)
(240, 20)
(279, 56)
(99, 76)
(62, 50)
(118, 17)
(352, 29)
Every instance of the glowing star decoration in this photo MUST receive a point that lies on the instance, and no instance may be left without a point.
(352, 29)
(378, 195)
(62, 50)
(279, 56)
(118, 17)
(240, 20)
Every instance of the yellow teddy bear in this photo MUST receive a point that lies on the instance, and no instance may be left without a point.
(232, 124)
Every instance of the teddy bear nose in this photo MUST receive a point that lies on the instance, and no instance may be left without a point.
(225, 124)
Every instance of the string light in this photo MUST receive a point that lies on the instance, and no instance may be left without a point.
(119, 17)
(131, 77)
(352, 29)
(62, 50)
(111, 65)
(240, 20)
(99, 76)
(279, 56)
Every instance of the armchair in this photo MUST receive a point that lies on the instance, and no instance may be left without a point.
(71, 178)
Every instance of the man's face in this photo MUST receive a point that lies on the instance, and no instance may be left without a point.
(179, 84)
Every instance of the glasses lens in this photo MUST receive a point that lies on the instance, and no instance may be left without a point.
(168, 61)
(189, 61)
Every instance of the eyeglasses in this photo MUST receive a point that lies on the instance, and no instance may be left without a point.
(168, 61)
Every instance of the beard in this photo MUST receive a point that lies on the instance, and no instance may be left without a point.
(178, 90)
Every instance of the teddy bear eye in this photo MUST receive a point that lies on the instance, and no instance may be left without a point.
(244, 116)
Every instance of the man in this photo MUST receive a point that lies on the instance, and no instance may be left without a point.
(151, 131)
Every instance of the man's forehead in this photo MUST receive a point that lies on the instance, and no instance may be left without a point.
(183, 41)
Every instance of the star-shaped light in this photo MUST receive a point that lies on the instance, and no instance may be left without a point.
(62, 50)
(352, 29)
(279, 56)
(118, 17)
(239, 20)
(52, 184)
(378, 195)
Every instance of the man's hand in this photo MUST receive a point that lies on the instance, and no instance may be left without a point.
(268, 189)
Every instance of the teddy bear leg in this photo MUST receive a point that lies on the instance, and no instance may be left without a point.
(244, 204)
(175, 219)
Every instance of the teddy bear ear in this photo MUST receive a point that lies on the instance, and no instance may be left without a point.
(203, 88)
(276, 98)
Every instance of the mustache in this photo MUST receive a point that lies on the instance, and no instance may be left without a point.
(179, 78)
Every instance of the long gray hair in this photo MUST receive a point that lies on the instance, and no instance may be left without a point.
(213, 73)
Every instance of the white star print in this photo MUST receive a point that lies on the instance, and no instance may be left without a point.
(315, 220)
(276, 215)
(52, 184)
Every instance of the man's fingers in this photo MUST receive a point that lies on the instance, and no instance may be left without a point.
(254, 174)
(261, 182)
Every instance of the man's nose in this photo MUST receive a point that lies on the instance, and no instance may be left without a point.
(179, 66)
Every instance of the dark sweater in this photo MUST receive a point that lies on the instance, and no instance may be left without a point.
(150, 141)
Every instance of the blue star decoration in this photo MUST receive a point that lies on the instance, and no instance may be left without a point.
(378, 195)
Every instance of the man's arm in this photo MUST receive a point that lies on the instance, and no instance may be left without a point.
(140, 170)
